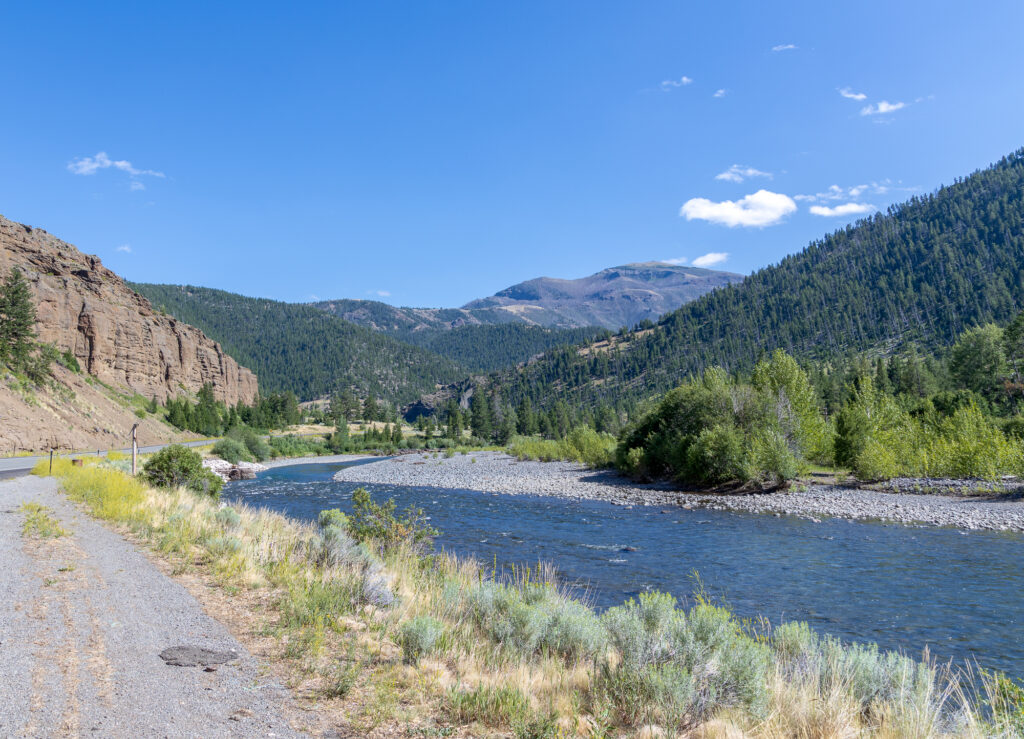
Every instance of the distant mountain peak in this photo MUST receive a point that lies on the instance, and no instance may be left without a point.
(617, 296)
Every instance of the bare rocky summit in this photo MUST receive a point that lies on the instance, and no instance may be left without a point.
(114, 333)
(612, 298)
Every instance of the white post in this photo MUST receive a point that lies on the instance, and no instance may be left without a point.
(135, 447)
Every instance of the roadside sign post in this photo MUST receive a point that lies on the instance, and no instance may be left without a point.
(135, 447)
(51, 460)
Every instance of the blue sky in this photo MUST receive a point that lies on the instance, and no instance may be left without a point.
(431, 153)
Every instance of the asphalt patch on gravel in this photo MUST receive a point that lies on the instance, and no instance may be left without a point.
(195, 656)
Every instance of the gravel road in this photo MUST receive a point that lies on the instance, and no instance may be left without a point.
(83, 620)
(493, 472)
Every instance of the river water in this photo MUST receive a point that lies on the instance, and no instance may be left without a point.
(959, 593)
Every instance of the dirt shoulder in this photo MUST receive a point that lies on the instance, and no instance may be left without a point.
(84, 618)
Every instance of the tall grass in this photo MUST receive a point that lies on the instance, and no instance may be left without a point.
(582, 444)
(452, 644)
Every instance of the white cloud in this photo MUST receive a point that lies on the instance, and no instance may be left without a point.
(383, 294)
(762, 208)
(136, 185)
(669, 85)
(720, 93)
(881, 108)
(738, 173)
(711, 259)
(849, 94)
(784, 47)
(126, 248)
(846, 209)
(91, 165)
(676, 260)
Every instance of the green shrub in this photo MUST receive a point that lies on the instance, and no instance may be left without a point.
(717, 455)
(231, 450)
(377, 521)
(332, 517)
(716, 429)
(582, 444)
(772, 458)
(175, 466)
(418, 637)
(256, 446)
(297, 446)
(1005, 700)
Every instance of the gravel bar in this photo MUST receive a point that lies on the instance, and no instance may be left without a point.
(494, 472)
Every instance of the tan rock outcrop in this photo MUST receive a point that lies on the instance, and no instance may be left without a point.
(114, 333)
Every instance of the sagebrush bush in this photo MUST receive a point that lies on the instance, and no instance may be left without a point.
(418, 637)
(534, 617)
(228, 517)
(678, 668)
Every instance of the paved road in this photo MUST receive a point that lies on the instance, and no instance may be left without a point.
(83, 619)
(18, 466)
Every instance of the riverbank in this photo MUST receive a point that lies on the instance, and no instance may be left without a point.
(382, 641)
(331, 459)
(494, 472)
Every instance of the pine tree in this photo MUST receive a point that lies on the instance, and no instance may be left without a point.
(17, 318)
(480, 422)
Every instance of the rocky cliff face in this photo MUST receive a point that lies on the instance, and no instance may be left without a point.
(114, 333)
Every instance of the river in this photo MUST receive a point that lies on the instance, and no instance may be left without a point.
(957, 592)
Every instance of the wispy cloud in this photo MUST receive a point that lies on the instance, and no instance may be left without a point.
(669, 85)
(835, 192)
(846, 209)
(881, 108)
(711, 259)
(720, 93)
(381, 293)
(762, 208)
(91, 165)
(849, 94)
(135, 186)
(676, 260)
(738, 173)
(126, 248)
(784, 47)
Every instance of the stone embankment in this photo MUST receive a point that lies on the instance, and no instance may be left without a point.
(493, 472)
(227, 471)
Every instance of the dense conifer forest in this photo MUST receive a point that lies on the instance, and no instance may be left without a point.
(920, 273)
(304, 350)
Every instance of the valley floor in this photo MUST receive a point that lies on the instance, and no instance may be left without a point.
(494, 472)
(83, 620)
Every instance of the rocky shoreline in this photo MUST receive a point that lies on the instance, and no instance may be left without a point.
(494, 472)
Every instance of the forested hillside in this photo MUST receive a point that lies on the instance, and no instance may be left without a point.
(921, 272)
(481, 340)
(488, 348)
(303, 349)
